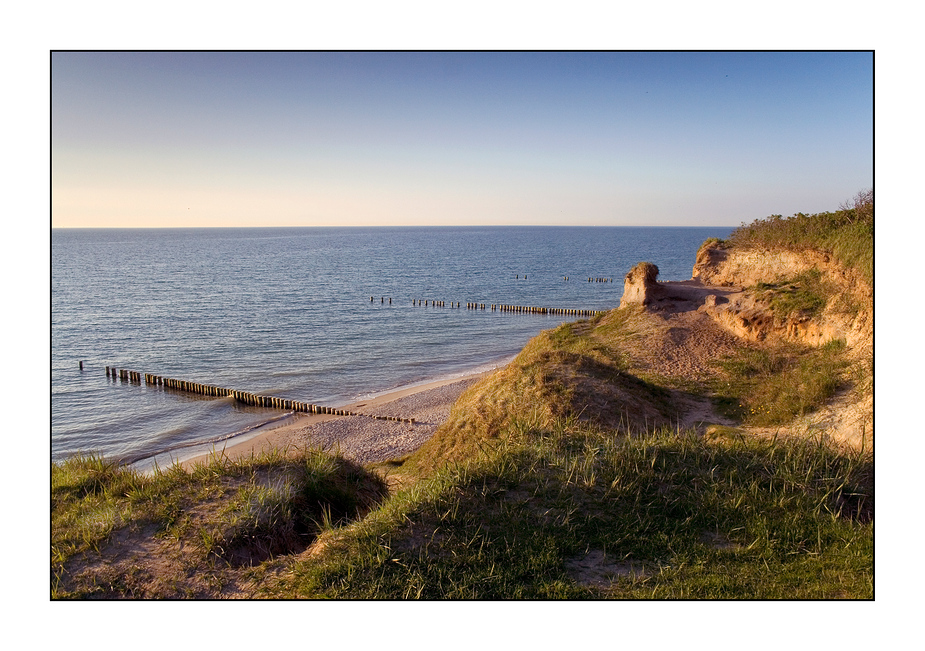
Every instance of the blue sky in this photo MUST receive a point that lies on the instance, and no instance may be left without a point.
(374, 139)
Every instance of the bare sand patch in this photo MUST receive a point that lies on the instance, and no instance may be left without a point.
(598, 570)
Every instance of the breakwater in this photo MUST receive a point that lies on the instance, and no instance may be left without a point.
(531, 309)
(244, 397)
(502, 307)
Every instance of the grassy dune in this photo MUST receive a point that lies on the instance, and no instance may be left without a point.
(576, 370)
(570, 512)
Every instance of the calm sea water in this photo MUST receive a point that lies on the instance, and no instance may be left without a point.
(287, 312)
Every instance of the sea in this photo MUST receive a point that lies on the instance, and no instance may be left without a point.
(327, 316)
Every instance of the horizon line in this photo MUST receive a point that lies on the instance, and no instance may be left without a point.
(138, 228)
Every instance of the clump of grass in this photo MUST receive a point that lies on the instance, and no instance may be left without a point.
(772, 386)
(261, 519)
(712, 241)
(697, 518)
(90, 497)
(803, 295)
(222, 514)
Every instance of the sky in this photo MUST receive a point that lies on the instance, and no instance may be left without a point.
(167, 139)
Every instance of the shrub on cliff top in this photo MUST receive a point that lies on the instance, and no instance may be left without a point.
(644, 271)
(719, 243)
(846, 233)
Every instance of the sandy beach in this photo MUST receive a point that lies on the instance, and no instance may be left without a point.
(361, 438)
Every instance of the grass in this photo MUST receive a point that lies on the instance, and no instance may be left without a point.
(222, 515)
(665, 515)
(772, 386)
(563, 512)
(710, 241)
(804, 295)
(574, 371)
(529, 504)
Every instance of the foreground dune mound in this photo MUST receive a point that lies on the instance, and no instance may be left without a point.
(572, 373)
(628, 370)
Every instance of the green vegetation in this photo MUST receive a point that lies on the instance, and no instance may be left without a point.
(572, 512)
(804, 295)
(221, 515)
(566, 512)
(578, 369)
(773, 385)
(720, 243)
(846, 233)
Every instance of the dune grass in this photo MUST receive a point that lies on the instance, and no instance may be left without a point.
(571, 512)
(773, 385)
(804, 295)
(575, 370)
(219, 516)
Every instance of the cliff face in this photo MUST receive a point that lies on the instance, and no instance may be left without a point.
(847, 314)
(727, 267)
(761, 295)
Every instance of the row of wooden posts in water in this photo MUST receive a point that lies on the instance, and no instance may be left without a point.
(240, 396)
(596, 280)
(517, 309)
(498, 307)
(416, 301)
(527, 309)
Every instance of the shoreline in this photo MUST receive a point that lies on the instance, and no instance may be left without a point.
(188, 453)
(360, 438)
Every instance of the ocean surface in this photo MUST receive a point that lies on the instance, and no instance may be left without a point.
(287, 312)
